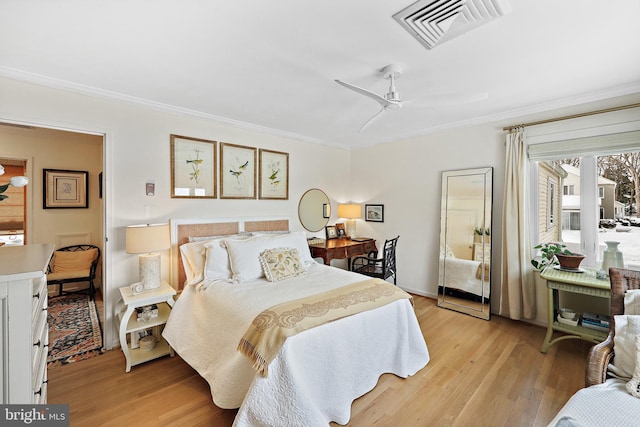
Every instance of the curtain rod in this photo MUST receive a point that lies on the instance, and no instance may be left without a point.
(573, 116)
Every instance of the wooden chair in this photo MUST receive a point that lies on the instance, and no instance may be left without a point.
(381, 268)
(602, 354)
(73, 264)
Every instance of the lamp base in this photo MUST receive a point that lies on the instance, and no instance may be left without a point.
(351, 228)
(150, 270)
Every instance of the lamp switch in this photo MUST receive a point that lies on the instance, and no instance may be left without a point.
(150, 189)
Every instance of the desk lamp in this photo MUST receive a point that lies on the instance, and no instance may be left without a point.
(145, 239)
(350, 211)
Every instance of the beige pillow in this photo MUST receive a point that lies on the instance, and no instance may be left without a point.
(73, 261)
(281, 263)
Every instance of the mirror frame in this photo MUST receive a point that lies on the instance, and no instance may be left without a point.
(455, 294)
(314, 202)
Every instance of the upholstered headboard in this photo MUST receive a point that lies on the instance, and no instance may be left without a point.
(183, 229)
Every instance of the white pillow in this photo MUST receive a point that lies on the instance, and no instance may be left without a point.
(194, 257)
(632, 302)
(216, 261)
(624, 345)
(244, 254)
(633, 386)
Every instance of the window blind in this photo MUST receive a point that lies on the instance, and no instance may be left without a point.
(602, 145)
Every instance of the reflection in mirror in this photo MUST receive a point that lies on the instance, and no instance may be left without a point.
(465, 242)
(314, 210)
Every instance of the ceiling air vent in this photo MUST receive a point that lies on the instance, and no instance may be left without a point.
(434, 22)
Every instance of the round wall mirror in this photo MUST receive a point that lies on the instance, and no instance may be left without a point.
(314, 210)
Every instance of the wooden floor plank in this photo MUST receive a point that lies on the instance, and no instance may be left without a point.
(481, 373)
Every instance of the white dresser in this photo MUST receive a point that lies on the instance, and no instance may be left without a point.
(23, 323)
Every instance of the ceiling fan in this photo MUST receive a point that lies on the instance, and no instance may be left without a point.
(391, 100)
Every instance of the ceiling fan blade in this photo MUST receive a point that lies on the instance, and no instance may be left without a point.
(385, 103)
(372, 119)
(448, 99)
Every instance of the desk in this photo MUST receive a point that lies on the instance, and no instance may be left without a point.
(342, 249)
(579, 283)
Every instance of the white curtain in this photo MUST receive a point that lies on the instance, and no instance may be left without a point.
(518, 296)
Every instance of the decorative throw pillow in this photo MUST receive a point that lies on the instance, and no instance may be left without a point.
(217, 260)
(281, 263)
(624, 345)
(632, 302)
(633, 386)
(64, 261)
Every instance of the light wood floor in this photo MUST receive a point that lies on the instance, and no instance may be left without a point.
(480, 374)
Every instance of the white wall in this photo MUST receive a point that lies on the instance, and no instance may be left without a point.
(137, 149)
(405, 176)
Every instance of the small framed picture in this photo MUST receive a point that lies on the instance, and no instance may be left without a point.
(326, 210)
(342, 232)
(65, 189)
(331, 232)
(374, 213)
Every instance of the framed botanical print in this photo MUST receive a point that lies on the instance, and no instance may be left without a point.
(237, 171)
(274, 175)
(65, 189)
(193, 168)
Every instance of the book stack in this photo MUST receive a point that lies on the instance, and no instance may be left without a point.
(152, 309)
(598, 322)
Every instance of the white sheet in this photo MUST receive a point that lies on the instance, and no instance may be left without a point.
(317, 374)
(461, 274)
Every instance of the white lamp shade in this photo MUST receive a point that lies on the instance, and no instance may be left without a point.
(147, 238)
(350, 211)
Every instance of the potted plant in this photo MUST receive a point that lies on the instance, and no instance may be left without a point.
(478, 232)
(548, 252)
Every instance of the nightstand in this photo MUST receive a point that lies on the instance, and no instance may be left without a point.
(131, 329)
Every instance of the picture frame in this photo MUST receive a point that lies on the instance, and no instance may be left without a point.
(65, 189)
(193, 168)
(374, 213)
(237, 171)
(326, 210)
(341, 230)
(273, 175)
(331, 232)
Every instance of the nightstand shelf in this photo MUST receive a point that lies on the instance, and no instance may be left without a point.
(129, 326)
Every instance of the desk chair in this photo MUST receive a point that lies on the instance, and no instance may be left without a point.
(381, 268)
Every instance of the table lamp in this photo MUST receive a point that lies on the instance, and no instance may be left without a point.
(145, 239)
(351, 212)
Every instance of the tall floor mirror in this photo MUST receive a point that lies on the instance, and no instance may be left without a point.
(465, 242)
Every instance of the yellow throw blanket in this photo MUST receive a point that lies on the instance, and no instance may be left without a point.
(270, 329)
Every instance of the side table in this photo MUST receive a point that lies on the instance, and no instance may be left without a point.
(584, 283)
(130, 325)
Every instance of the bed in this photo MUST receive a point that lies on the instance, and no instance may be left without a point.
(464, 277)
(317, 373)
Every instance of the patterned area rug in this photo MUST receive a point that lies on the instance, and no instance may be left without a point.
(75, 332)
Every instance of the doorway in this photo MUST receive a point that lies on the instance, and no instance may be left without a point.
(13, 203)
(59, 150)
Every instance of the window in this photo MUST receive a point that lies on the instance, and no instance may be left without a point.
(601, 192)
(568, 190)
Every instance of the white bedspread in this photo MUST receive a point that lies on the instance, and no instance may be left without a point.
(317, 374)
